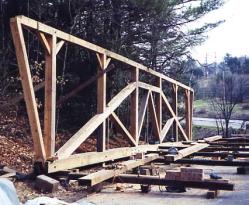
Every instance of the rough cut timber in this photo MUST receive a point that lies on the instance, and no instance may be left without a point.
(185, 152)
(46, 184)
(154, 180)
(100, 176)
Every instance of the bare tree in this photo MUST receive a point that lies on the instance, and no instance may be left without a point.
(228, 90)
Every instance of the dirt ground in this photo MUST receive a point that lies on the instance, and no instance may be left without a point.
(131, 194)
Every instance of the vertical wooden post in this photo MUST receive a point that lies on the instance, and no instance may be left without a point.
(28, 89)
(101, 101)
(191, 113)
(174, 107)
(187, 114)
(50, 96)
(134, 105)
(159, 104)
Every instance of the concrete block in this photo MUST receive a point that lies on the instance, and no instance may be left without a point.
(46, 184)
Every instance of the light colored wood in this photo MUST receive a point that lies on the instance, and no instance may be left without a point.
(175, 110)
(154, 117)
(101, 102)
(187, 114)
(70, 38)
(50, 97)
(191, 113)
(159, 104)
(149, 87)
(59, 46)
(103, 175)
(134, 106)
(75, 141)
(186, 151)
(211, 139)
(166, 128)
(125, 132)
(28, 89)
(174, 116)
(141, 112)
(90, 158)
(44, 42)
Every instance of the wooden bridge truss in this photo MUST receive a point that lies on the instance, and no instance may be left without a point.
(154, 99)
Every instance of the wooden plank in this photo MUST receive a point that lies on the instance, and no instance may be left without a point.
(141, 112)
(212, 162)
(50, 97)
(191, 113)
(221, 154)
(70, 38)
(103, 175)
(149, 87)
(24, 69)
(187, 114)
(185, 152)
(59, 46)
(89, 158)
(166, 128)
(237, 149)
(44, 42)
(101, 102)
(75, 141)
(154, 117)
(159, 104)
(134, 106)
(174, 116)
(211, 139)
(125, 132)
(155, 180)
(175, 110)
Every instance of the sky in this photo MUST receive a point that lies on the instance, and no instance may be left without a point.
(230, 37)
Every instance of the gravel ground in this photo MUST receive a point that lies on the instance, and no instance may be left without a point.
(131, 194)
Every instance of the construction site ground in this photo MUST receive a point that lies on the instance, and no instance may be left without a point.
(131, 194)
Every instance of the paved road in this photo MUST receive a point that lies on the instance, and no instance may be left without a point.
(236, 124)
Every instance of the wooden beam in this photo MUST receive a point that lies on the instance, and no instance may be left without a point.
(234, 163)
(50, 97)
(72, 39)
(24, 69)
(236, 149)
(155, 180)
(75, 141)
(141, 112)
(175, 110)
(44, 42)
(59, 46)
(134, 106)
(90, 158)
(125, 132)
(211, 139)
(191, 113)
(221, 154)
(149, 87)
(185, 152)
(166, 128)
(159, 104)
(103, 175)
(187, 114)
(154, 117)
(174, 116)
(101, 102)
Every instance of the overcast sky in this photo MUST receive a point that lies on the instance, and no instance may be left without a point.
(230, 37)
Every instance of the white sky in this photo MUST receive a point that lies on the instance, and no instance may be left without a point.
(230, 37)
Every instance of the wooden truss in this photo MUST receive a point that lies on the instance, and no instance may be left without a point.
(44, 141)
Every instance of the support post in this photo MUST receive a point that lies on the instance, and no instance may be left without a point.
(191, 113)
(175, 110)
(187, 114)
(101, 101)
(28, 89)
(134, 106)
(50, 97)
(159, 104)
